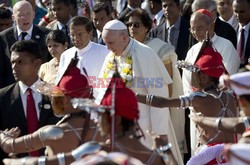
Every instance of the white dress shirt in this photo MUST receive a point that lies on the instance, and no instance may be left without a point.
(232, 21)
(36, 95)
(27, 37)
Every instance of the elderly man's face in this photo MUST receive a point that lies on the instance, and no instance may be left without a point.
(114, 41)
(23, 15)
(199, 28)
(242, 11)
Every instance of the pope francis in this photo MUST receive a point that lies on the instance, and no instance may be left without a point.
(143, 71)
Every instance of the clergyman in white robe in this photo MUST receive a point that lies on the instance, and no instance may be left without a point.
(150, 77)
(231, 61)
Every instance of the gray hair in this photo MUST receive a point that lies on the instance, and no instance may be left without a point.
(204, 4)
(204, 17)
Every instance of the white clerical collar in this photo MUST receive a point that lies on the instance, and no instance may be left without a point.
(126, 51)
(85, 49)
(23, 87)
(19, 31)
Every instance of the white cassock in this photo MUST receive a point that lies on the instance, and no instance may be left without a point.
(167, 54)
(148, 66)
(231, 61)
(91, 58)
(237, 151)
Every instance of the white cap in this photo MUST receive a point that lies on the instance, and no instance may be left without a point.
(115, 25)
(243, 79)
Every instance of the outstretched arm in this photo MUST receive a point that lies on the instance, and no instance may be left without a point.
(232, 125)
(61, 158)
(158, 101)
(54, 160)
(30, 142)
(195, 99)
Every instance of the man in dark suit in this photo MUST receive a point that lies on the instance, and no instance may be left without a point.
(101, 14)
(16, 108)
(242, 9)
(61, 12)
(23, 15)
(174, 29)
(132, 4)
(6, 76)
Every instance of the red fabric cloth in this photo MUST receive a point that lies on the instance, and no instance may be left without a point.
(32, 120)
(74, 84)
(214, 161)
(210, 63)
(125, 100)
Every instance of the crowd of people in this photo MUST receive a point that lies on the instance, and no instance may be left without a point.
(124, 82)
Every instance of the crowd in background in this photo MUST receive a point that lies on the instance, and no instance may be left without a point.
(172, 29)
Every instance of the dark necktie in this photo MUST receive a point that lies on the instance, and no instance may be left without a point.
(23, 35)
(241, 43)
(66, 30)
(154, 23)
(100, 41)
(32, 120)
(171, 35)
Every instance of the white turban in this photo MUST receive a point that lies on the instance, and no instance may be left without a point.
(242, 83)
(115, 25)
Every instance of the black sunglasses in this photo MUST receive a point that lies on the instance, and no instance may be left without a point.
(135, 24)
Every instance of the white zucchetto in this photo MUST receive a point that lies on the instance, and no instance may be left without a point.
(115, 25)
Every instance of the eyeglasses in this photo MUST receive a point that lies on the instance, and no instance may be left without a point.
(198, 29)
(135, 24)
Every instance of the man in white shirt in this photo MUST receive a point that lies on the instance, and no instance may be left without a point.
(91, 55)
(143, 71)
(202, 22)
(225, 9)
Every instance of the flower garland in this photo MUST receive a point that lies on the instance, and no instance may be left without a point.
(124, 68)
